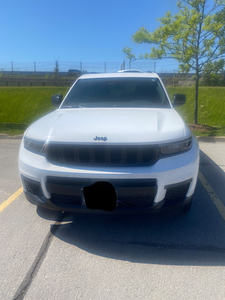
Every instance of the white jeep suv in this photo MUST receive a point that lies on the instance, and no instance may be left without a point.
(115, 143)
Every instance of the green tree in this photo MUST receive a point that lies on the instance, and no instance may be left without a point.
(129, 55)
(213, 73)
(195, 36)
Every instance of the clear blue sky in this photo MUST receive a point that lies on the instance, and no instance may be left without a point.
(76, 31)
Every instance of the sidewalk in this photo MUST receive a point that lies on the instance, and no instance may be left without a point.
(214, 147)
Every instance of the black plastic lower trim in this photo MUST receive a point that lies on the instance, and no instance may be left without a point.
(157, 208)
(67, 194)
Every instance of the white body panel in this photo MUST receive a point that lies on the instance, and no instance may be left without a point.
(119, 125)
(167, 171)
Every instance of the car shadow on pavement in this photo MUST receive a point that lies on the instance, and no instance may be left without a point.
(193, 238)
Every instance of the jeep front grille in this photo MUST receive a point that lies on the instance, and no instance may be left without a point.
(101, 155)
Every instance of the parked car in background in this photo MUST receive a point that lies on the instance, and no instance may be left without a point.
(73, 72)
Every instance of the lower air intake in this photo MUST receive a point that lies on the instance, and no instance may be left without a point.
(177, 192)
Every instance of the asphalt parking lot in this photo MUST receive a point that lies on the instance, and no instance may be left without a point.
(51, 255)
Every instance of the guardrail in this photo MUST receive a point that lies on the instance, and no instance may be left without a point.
(7, 81)
(30, 81)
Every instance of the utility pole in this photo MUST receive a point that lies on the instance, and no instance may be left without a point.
(12, 66)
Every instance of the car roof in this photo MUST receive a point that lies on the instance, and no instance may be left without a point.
(120, 75)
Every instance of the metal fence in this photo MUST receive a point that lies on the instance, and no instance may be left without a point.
(63, 66)
(60, 73)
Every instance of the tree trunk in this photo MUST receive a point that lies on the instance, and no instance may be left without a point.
(196, 97)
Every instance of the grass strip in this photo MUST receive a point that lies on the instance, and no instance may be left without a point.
(12, 129)
(20, 106)
(23, 105)
(211, 105)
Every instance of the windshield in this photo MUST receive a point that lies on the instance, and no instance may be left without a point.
(117, 92)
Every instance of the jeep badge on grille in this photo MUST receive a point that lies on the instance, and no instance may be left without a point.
(97, 138)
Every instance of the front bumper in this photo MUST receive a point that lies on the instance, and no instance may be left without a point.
(164, 205)
(168, 184)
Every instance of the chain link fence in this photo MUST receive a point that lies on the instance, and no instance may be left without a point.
(90, 67)
(62, 73)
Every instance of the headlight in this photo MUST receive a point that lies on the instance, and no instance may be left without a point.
(175, 147)
(37, 147)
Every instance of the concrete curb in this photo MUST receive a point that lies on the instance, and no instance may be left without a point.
(6, 136)
(211, 139)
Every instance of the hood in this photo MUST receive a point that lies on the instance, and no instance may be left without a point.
(113, 125)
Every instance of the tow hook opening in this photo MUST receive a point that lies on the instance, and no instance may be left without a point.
(100, 195)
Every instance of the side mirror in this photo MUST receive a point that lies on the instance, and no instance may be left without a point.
(179, 99)
(56, 100)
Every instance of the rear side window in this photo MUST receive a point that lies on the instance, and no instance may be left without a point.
(117, 92)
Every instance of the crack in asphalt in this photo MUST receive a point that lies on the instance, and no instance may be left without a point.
(7, 194)
(25, 284)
